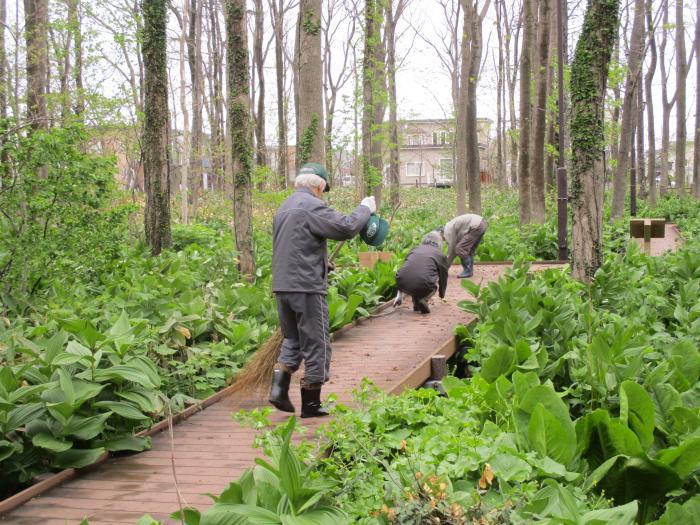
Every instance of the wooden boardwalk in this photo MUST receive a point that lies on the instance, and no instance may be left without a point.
(211, 449)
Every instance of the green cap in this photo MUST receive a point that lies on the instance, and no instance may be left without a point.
(316, 169)
(375, 231)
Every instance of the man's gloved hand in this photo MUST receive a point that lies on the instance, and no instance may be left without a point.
(398, 300)
(370, 203)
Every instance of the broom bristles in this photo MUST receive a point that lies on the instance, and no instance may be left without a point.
(256, 373)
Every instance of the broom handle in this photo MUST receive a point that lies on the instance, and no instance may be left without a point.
(336, 250)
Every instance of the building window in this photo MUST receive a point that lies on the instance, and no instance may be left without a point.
(441, 138)
(413, 169)
(414, 140)
(447, 169)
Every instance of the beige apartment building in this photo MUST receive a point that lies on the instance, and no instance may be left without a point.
(427, 151)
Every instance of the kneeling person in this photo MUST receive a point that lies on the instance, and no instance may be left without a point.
(423, 272)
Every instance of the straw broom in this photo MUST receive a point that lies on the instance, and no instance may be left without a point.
(256, 373)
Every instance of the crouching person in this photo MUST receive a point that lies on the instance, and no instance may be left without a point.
(299, 280)
(423, 273)
(463, 235)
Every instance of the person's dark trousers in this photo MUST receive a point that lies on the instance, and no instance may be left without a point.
(420, 302)
(466, 248)
(304, 323)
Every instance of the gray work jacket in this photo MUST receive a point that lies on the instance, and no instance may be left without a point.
(424, 269)
(299, 232)
(458, 228)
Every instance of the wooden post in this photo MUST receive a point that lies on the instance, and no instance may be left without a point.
(438, 367)
(647, 236)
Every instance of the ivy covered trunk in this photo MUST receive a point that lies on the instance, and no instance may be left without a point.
(373, 100)
(310, 137)
(240, 129)
(589, 75)
(156, 125)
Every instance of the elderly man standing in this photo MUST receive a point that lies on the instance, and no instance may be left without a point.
(463, 235)
(299, 280)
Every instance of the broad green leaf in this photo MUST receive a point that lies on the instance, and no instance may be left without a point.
(66, 384)
(684, 459)
(77, 458)
(622, 515)
(600, 438)
(501, 362)
(188, 516)
(85, 428)
(147, 519)
(454, 387)
(637, 411)
(509, 467)
(665, 398)
(123, 409)
(22, 415)
(549, 437)
(290, 467)
(138, 370)
(131, 443)
(687, 513)
(222, 514)
(254, 515)
(49, 442)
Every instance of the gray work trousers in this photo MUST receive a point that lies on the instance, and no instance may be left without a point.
(467, 245)
(304, 322)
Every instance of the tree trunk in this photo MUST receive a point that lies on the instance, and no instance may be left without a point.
(589, 75)
(461, 169)
(525, 113)
(473, 168)
(259, 61)
(696, 143)
(310, 137)
(75, 21)
(185, 156)
(539, 125)
(667, 104)
(680, 100)
(195, 59)
(4, 81)
(629, 109)
(240, 130)
(500, 88)
(217, 125)
(651, 136)
(372, 37)
(156, 127)
(36, 15)
(278, 25)
(394, 179)
(639, 120)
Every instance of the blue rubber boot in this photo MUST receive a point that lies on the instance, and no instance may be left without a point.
(468, 265)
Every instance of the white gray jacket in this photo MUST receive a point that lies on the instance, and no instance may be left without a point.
(299, 232)
(458, 228)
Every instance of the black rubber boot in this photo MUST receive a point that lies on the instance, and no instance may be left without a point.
(468, 267)
(311, 402)
(421, 305)
(279, 393)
